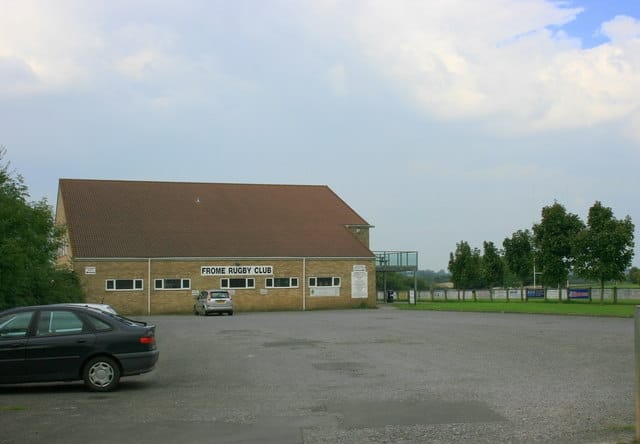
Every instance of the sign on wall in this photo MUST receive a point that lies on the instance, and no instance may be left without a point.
(236, 270)
(359, 282)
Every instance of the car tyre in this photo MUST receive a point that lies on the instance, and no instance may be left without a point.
(230, 313)
(101, 374)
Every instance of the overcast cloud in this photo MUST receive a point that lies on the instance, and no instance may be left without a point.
(437, 121)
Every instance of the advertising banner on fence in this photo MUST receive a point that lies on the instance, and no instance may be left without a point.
(534, 293)
(579, 293)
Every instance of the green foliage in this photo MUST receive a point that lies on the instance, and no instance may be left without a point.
(465, 266)
(554, 240)
(433, 278)
(492, 266)
(604, 249)
(29, 241)
(561, 245)
(518, 254)
(399, 281)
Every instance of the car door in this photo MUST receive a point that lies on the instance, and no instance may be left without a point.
(14, 328)
(59, 346)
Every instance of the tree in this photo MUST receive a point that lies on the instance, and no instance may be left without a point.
(399, 281)
(634, 275)
(465, 267)
(29, 240)
(554, 241)
(492, 266)
(518, 254)
(604, 248)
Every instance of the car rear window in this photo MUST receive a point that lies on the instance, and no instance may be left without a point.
(220, 295)
(98, 324)
(126, 321)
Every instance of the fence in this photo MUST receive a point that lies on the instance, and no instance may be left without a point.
(518, 294)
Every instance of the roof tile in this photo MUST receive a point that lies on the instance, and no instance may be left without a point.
(134, 219)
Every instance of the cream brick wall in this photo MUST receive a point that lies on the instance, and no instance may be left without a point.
(256, 299)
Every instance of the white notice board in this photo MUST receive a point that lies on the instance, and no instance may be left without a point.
(359, 282)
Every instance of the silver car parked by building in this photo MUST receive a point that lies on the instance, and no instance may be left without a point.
(213, 301)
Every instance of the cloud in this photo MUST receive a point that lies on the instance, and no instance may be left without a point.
(50, 40)
(621, 29)
(69, 46)
(506, 62)
(337, 78)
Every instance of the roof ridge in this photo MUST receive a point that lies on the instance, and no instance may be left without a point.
(135, 181)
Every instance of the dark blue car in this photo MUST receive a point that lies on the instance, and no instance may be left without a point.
(66, 343)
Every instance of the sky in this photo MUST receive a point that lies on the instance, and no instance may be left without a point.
(437, 121)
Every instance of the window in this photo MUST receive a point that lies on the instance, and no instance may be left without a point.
(123, 284)
(324, 281)
(98, 324)
(281, 282)
(173, 284)
(237, 283)
(15, 325)
(59, 323)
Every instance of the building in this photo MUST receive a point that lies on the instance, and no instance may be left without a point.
(150, 247)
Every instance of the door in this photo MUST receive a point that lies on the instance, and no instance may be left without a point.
(13, 341)
(58, 347)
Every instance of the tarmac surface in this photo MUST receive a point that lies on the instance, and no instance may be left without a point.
(353, 376)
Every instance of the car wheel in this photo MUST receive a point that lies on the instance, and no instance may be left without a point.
(230, 313)
(101, 374)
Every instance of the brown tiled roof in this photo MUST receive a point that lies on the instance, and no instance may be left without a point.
(132, 219)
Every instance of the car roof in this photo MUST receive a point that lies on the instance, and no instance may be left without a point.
(54, 307)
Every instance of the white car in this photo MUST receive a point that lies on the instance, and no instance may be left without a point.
(104, 307)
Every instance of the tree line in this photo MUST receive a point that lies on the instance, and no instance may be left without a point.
(559, 246)
(29, 242)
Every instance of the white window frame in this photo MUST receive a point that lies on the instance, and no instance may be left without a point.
(335, 281)
(271, 281)
(135, 288)
(249, 283)
(162, 282)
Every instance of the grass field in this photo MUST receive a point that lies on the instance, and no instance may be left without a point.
(621, 309)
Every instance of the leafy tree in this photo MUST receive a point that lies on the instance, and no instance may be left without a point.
(605, 247)
(465, 267)
(634, 275)
(518, 254)
(554, 240)
(399, 281)
(29, 240)
(492, 266)
(432, 278)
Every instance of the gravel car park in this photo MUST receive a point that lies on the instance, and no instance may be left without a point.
(353, 376)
